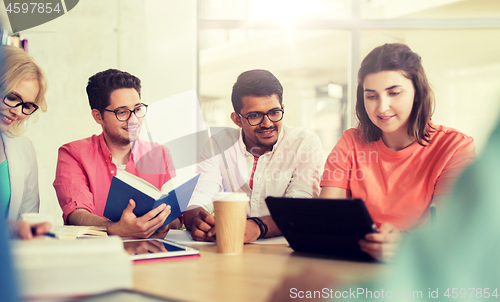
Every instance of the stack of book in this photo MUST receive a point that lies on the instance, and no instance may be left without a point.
(50, 268)
(14, 40)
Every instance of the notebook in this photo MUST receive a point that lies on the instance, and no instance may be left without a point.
(323, 226)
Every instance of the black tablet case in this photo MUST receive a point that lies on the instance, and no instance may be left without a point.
(323, 226)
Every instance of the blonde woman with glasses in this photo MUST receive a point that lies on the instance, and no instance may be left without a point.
(22, 90)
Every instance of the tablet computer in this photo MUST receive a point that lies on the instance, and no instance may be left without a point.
(148, 249)
(324, 226)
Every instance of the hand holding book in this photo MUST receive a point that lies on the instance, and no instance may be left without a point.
(141, 227)
(134, 204)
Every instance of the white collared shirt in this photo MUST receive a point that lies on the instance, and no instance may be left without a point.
(292, 168)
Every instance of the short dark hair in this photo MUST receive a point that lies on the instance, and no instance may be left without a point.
(257, 82)
(397, 57)
(102, 84)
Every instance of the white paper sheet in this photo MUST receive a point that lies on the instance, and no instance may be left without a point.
(184, 237)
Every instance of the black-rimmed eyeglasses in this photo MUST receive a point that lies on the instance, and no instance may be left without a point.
(13, 100)
(123, 114)
(256, 118)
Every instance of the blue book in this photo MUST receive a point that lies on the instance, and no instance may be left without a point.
(176, 192)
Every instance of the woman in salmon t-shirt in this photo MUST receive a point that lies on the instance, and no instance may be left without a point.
(396, 160)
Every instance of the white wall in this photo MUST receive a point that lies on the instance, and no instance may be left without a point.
(152, 39)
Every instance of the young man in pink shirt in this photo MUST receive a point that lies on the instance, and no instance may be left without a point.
(86, 167)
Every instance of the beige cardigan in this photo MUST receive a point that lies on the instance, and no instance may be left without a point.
(23, 173)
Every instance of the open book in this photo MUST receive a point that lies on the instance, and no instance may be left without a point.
(49, 268)
(75, 232)
(176, 192)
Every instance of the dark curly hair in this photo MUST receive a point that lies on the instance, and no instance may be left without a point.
(257, 82)
(102, 84)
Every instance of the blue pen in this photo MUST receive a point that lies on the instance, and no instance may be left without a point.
(48, 234)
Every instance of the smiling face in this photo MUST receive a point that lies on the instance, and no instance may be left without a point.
(28, 91)
(260, 138)
(388, 100)
(120, 133)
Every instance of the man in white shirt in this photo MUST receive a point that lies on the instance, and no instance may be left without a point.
(264, 158)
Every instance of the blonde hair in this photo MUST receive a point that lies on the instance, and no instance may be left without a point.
(17, 66)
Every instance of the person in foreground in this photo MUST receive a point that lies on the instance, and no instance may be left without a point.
(8, 280)
(456, 259)
(397, 160)
(85, 168)
(22, 87)
(265, 158)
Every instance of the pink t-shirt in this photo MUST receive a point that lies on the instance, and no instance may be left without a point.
(85, 169)
(398, 186)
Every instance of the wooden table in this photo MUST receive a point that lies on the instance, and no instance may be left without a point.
(251, 276)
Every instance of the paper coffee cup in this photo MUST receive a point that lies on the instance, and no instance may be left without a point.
(230, 222)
